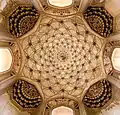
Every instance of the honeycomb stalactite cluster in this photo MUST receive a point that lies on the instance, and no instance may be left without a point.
(98, 94)
(22, 20)
(99, 20)
(26, 95)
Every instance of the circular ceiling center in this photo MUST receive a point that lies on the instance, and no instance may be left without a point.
(63, 55)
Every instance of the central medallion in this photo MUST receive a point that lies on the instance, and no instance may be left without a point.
(62, 56)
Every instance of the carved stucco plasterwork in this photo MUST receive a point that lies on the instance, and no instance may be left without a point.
(16, 15)
(107, 58)
(99, 20)
(25, 95)
(98, 94)
(22, 20)
(62, 56)
(17, 57)
(60, 11)
(62, 101)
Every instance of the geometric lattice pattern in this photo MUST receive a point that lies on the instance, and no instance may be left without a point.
(98, 94)
(63, 56)
(107, 53)
(99, 20)
(57, 102)
(22, 20)
(25, 95)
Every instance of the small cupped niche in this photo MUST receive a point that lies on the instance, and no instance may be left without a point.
(5, 59)
(116, 59)
(60, 3)
(62, 110)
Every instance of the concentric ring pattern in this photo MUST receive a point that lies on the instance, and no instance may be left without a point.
(25, 95)
(22, 20)
(63, 56)
(99, 20)
(98, 94)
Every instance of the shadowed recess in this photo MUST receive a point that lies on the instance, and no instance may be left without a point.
(22, 20)
(98, 94)
(99, 20)
(26, 95)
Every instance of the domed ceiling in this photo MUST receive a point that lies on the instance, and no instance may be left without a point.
(63, 55)
(60, 55)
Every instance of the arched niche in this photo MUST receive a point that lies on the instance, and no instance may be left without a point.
(116, 58)
(10, 58)
(57, 102)
(111, 57)
(60, 3)
(5, 59)
(62, 110)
